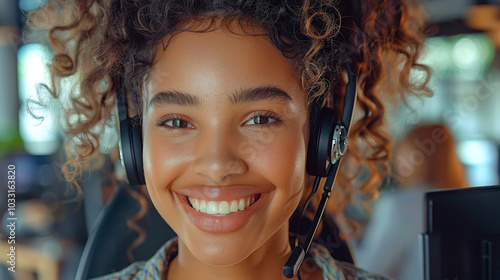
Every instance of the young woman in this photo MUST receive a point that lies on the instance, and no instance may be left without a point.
(223, 92)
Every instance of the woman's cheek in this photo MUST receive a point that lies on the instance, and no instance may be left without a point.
(283, 160)
(164, 158)
(163, 162)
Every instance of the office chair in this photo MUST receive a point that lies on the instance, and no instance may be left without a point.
(106, 247)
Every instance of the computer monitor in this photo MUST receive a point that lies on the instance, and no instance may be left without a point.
(462, 238)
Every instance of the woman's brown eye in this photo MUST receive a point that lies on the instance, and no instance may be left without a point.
(177, 123)
(260, 120)
(263, 120)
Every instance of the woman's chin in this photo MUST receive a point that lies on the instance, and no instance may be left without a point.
(221, 254)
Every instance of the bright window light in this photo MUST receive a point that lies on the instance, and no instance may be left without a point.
(30, 5)
(481, 158)
(39, 137)
(477, 152)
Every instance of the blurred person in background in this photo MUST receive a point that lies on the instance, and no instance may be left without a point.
(425, 159)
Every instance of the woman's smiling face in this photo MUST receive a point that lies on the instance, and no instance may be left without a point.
(225, 137)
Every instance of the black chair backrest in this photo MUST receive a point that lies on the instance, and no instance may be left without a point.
(105, 251)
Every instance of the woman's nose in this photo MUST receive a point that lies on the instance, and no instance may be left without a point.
(217, 157)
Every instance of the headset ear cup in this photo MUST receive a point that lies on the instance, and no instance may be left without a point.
(313, 138)
(320, 141)
(131, 150)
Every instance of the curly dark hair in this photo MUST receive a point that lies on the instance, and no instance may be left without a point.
(106, 41)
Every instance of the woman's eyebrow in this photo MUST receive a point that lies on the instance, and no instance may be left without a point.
(259, 94)
(173, 97)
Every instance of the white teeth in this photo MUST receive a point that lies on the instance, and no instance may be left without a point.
(221, 207)
(203, 206)
(234, 206)
(212, 207)
(241, 204)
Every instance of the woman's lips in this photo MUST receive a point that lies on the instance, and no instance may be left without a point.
(222, 223)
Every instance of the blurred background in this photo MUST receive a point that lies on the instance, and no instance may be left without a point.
(52, 226)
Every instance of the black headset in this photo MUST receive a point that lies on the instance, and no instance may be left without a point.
(130, 142)
(327, 144)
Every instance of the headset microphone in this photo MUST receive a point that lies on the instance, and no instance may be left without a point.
(325, 151)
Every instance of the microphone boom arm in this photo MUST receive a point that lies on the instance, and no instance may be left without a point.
(295, 260)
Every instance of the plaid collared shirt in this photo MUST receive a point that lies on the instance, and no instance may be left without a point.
(156, 267)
